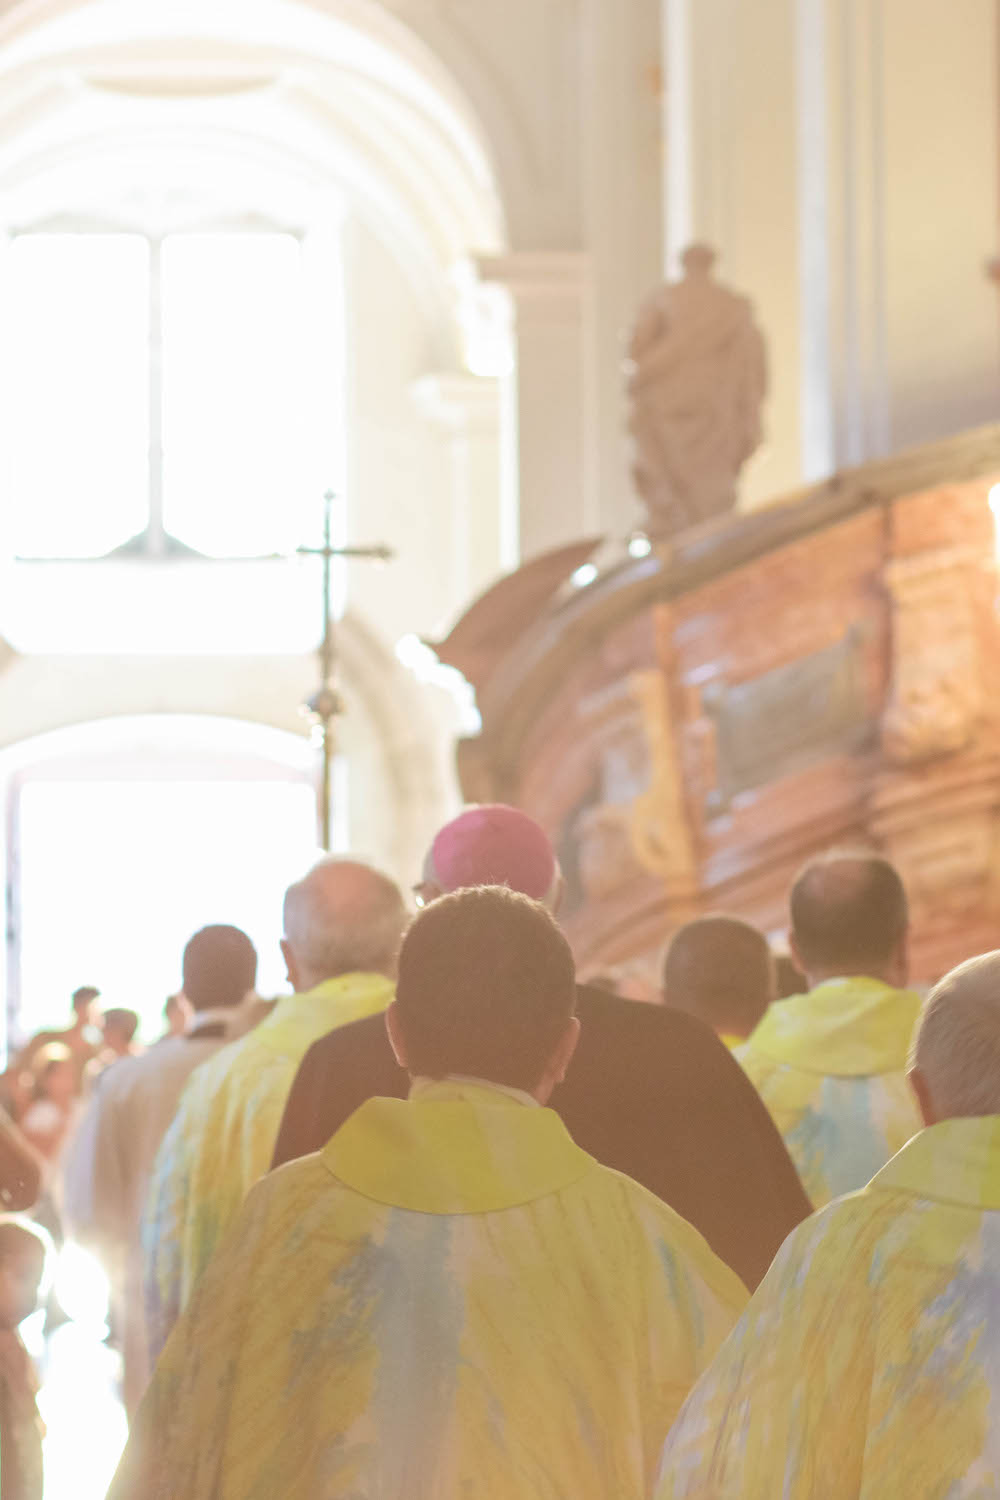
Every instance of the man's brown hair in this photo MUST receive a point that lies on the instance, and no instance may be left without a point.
(486, 986)
(720, 969)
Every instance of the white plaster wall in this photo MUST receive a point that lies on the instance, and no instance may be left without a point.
(622, 144)
(398, 481)
(732, 146)
(942, 128)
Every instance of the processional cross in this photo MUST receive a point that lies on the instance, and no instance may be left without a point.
(326, 703)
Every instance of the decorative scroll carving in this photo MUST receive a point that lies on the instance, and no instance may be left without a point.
(785, 719)
(660, 828)
(936, 699)
(697, 378)
(604, 850)
(595, 847)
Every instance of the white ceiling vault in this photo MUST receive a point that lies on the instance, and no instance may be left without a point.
(267, 105)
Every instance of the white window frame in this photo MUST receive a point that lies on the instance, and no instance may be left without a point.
(154, 542)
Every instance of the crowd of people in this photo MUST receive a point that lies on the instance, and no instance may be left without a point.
(445, 1222)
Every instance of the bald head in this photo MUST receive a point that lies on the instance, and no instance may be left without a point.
(341, 918)
(849, 917)
(956, 1049)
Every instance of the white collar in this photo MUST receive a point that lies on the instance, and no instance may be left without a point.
(521, 1095)
(215, 1015)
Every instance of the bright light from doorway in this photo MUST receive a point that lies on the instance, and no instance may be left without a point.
(115, 876)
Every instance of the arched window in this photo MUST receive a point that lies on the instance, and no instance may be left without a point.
(161, 389)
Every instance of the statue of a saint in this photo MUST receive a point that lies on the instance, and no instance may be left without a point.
(697, 378)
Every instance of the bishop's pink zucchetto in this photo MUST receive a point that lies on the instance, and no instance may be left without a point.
(493, 844)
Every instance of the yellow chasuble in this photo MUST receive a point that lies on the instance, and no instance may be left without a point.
(222, 1137)
(450, 1300)
(867, 1366)
(831, 1068)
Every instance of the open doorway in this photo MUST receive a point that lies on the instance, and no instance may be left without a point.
(122, 837)
(125, 837)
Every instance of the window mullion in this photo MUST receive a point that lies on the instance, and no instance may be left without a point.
(155, 534)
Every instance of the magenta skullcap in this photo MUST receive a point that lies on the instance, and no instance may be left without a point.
(493, 845)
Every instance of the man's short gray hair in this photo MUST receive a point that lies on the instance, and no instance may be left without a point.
(957, 1041)
(344, 917)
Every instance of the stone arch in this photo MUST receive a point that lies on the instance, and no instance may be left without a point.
(398, 733)
(333, 63)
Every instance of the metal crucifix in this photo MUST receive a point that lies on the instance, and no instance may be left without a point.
(326, 703)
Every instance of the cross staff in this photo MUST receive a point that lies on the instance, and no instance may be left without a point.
(326, 703)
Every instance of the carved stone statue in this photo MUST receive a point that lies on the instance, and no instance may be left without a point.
(697, 377)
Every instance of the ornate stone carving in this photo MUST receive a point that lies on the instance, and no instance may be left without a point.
(936, 698)
(595, 847)
(789, 718)
(697, 377)
(661, 831)
(604, 850)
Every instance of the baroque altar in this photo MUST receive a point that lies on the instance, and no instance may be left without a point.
(695, 723)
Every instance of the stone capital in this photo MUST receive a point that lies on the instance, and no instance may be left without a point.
(536, 276)
(457, 400)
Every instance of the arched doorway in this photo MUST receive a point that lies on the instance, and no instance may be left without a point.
(123, 837)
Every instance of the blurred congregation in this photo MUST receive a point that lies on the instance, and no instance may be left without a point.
(449, 1219)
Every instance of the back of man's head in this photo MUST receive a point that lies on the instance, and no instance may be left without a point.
(492, 844)
(486, 987)
(849, 916)
(83, 999)
(343, 917)
(956, 1047)
(120, 1026)
(720, 969)
(219, 967)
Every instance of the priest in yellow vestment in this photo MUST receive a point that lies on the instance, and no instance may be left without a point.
(343, 924)
(867, 1366)
(830, 1065)
(451, 1299)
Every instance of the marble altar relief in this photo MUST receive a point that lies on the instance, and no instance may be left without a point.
(789, 717)
(661, 832)
(696, 382)
(936, 697)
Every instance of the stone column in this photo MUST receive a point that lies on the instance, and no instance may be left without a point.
(731, 181)
(465, 409)
(545, 396)
(621, 149)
